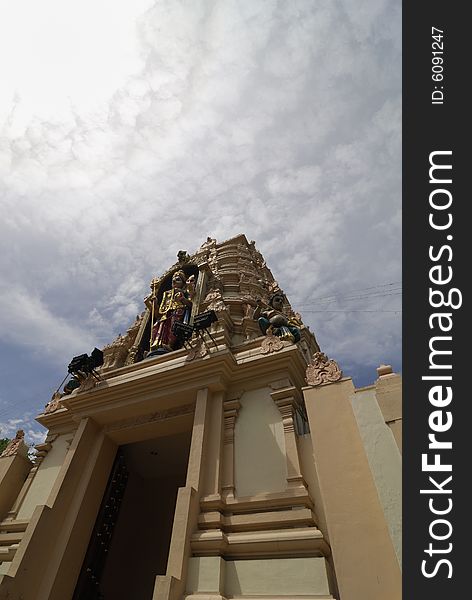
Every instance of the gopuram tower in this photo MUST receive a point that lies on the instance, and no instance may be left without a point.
(212, 452)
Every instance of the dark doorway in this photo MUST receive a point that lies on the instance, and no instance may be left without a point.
(141, 537)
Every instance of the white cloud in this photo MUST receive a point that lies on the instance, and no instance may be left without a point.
(283, 123)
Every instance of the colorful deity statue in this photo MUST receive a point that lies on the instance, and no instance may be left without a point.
(175, 306)
(273, 321)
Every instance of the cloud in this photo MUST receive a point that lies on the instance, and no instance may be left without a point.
(280, 122)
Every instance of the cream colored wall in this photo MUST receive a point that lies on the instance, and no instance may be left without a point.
(389, 396)
(384, 460)
(13, 472)
(364, 557)
(259, 446)
(292, 576)
(45, 477)
(277, 577)
(205, 574)
(305, 448)
(396, 428)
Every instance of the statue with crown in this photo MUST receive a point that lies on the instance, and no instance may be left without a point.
(174, 306)
(273, 320)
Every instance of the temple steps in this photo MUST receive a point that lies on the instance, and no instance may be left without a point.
(11, 534)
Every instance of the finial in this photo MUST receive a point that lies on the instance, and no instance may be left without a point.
(384, 370)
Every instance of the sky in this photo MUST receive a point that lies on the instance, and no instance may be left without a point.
(132, 130)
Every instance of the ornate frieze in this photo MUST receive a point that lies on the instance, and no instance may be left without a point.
(214, 301)
(162, 415)
(322, 370)
(271, 343)
(115, 354)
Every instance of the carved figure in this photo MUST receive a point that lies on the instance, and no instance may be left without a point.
(14, 444)
(115, 354)
(183, 256)
(322, 370)
(175, 306)
(273, 321)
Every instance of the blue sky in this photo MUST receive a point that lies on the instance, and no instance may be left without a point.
(130, 131)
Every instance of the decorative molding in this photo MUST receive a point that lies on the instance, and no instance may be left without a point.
(322, 370)
(115, 355)
(54, 404)
(214, 301)
(230, 414)
(271, 343)
(15, 444)
(231, 411)
(280, 384)
(234, 395)
(162, 415)
(87, 384)
(287, 411)
(197, 351)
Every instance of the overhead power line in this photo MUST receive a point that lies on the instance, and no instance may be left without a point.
(374, 291)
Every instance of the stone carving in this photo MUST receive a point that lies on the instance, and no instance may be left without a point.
(322, 370)
(271, 343)
(210, 242)
(215, 301)
(115, 354)
(249, 303)
(197, 351)
(182, 257)
(14, 444)
(213, 260)
(131, 358)
(170, 413)
(256, 255)
(54, 403)
(273, 286)
(87, 384)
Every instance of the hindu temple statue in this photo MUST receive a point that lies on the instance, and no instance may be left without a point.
(273, 321)
(175, 306)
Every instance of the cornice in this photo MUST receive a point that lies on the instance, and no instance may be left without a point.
(174, 380)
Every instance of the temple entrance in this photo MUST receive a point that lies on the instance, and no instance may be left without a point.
(139, 544)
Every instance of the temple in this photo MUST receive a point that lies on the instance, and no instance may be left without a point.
(211, 452)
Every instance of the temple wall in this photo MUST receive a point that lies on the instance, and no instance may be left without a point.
(268, 577)
(13, 473)
(267, 509)
(259, 445)
(388, 390)
(364, 555)
(45, 477)
(384, 460)
(308, 465)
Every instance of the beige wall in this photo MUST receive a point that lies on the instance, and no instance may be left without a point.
(384, 459)
(389, 396)
(49, 557)
(279, 577)
(363, 554)
(259, 445)
(13, 473)
(45, 477)
(310, 475)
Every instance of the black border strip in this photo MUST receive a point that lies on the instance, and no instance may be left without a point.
(429, 128)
